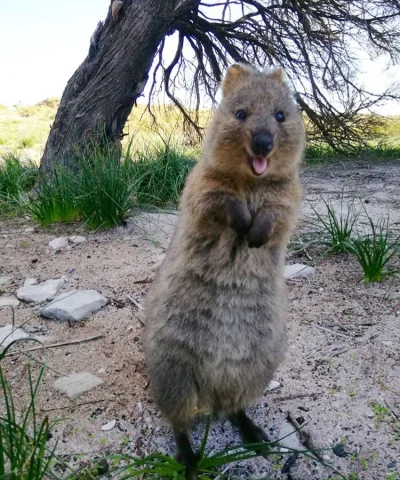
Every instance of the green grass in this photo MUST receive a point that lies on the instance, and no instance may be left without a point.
(23, 437)
(337, 227)
(106, 186)
(102, 187)
(25, 454)
(387, 148)
(374, 250)
(159, 174)
(158, 466)
(54, 202)
(16, 178)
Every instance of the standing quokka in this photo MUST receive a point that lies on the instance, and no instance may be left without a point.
(215, 329)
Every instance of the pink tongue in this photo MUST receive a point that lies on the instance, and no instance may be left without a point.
(259, 165)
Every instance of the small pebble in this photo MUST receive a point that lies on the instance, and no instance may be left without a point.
(109, 426)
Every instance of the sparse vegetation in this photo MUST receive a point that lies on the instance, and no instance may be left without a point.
(24, 454)
(337, 227)
(107, 186)
(160, 172)
(16, 177)
(374, 250)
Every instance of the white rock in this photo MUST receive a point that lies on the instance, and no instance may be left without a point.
(9, 333)
(42, 292)
(76, 384)
(8, 302)
(30, 281)
(74, 306)
(77, 239)
(101, 370)
(298, 270)
(108, 426)
(60, 242)
(5, 279)
(288, 437)
(29, 230)
(273, 384)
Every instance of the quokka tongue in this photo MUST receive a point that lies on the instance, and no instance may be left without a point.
(259, 164)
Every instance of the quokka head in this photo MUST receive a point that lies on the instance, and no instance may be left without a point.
(257, 130)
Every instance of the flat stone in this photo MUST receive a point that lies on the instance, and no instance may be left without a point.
(273, 385)
(30, 281)
(29, 230)
(298, 270)
(5, 279)
(109, 426)
(9, 334)
(288, 437)
(8, 302)
(77, 384)
(60, 242)
(41, 292)
(77, 239)
(74, 306)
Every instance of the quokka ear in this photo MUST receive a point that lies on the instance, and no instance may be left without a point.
(235, 75)
(277, 74)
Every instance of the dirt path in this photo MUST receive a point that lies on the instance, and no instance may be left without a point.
(341, 374)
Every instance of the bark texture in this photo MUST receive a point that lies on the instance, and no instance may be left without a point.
(100, 94)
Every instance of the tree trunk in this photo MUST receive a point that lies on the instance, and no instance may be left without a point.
(100, 94)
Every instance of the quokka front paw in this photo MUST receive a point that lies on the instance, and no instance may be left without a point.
(239, 217)
(261, 230)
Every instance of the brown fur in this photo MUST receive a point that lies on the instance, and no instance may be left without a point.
(215, 329)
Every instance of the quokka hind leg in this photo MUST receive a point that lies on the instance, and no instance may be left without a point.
(250, 432)
(185, 454)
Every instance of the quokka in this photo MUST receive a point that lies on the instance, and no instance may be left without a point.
(216, 312)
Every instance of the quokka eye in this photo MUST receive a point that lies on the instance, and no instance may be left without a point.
(241, 115)
(280, 116)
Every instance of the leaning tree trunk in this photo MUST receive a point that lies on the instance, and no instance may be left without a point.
(100, 94)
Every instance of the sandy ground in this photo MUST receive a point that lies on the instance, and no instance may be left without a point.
(343, 357)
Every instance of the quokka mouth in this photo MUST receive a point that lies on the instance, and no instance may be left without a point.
(258, 164)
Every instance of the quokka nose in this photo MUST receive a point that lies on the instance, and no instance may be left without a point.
(262, 143)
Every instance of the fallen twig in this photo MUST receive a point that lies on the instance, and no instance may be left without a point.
(395, 415)
(305, 437)
(73, 405)
(55, 345)
(144, 280)
(296, 396)
(135, 302)
(329, 330)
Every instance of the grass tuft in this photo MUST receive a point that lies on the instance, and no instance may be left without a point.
(53, 202)
(159, 172)
(106, 186)
(102, 187)
(158, 466)
(337, 227)
(16, 178)
(374, 250)
(23, 437)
